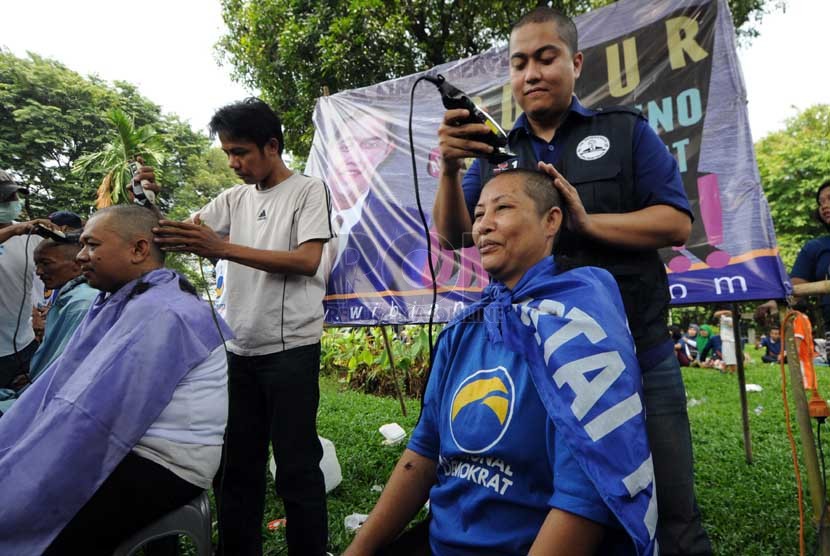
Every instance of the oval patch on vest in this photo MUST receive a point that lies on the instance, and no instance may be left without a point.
(593, 147)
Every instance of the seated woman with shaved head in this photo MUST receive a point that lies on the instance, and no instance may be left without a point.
(127, 424)
(532, 437)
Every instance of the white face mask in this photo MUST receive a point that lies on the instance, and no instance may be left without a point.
(9, 211)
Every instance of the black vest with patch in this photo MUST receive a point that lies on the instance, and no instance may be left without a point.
(605, 182)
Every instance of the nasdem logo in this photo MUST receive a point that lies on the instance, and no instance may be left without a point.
(220, 285)
(482, 408)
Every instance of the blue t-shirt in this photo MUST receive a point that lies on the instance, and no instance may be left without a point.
(501, 464)
(65, 315)
(713, 348)
(773, 348)
(812, 264)
(656, 179)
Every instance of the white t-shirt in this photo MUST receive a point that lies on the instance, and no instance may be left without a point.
(13, 256)
(270, 312)
(187, 436)
(727, 337)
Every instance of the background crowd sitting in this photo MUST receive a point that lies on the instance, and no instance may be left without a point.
(699, 346)
(703, 346)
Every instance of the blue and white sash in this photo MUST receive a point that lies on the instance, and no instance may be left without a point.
(572, 329)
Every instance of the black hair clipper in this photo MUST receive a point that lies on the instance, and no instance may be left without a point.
(455, 98)
(57, 235)
(142, 196)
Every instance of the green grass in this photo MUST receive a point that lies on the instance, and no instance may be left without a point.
(351, 421)
(747, 509)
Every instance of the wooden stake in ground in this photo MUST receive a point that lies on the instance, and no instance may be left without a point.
(739, 356)
(805, 429)
(394, 372)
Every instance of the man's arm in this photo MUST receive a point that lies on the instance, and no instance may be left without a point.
(23, 228)
(567, 534)
(452, 220)
(405, 493)
(302, 261)
(651, 227)
(449, 212)
(201, 240)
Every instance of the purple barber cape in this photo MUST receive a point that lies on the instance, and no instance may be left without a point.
(76, 423)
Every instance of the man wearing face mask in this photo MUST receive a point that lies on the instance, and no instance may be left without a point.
(17, 274)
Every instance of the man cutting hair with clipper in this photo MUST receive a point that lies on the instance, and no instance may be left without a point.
(277, 224)
(623, 205)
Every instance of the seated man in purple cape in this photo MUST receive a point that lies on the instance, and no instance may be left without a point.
(127, 424)
(532, 437)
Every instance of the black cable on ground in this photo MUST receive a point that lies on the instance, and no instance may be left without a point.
(223, 463)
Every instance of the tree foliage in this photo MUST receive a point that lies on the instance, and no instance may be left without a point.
(51, 116)
(292, 49)
(793, 163)
(746, 14)
(128, 143)
(208, 175)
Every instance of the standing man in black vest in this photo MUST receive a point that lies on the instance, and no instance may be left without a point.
(624, 199)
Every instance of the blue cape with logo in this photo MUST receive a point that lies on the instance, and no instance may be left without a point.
(572, 329)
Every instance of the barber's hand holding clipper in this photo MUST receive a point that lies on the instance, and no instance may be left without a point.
(26, 228)
(456, 141)
(144, 178)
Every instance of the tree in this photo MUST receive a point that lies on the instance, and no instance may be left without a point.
(793, 163)
(128, 143)
(291, 49)
(208, 175)
(748, 13)
(50, 116)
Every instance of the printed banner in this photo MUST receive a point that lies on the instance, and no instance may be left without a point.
(675, 61)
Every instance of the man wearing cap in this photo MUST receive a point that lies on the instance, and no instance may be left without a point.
(56, 266)
(67, 220)
(23, 288)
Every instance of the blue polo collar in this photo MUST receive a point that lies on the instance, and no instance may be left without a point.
(522, 124)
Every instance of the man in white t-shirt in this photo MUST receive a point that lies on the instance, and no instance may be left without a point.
(276, 225)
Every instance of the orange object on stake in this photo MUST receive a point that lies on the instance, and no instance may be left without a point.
(803, 332)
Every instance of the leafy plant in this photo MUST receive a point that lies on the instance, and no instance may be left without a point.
(359, 358)
(128, 143)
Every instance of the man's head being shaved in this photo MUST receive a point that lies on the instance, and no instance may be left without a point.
(131, 222)
(118, 247)
(65, 250)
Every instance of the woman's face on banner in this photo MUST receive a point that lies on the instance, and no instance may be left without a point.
(357, 153)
